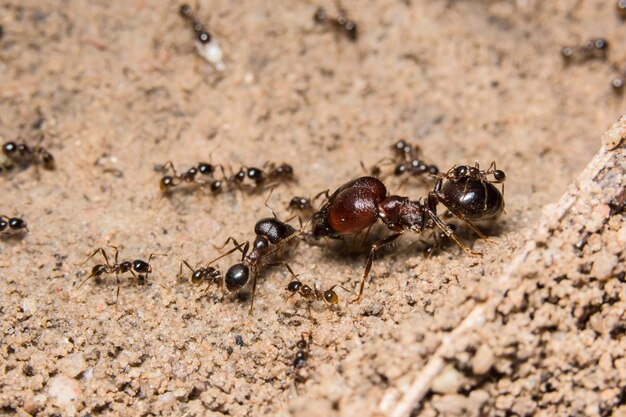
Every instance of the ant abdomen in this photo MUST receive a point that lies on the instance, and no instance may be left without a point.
(236, 277)
(471, 199)
(273, 229)
(351, 209)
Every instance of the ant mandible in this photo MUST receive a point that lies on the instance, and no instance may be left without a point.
(357, 205)
(12, 225)
(134, 267)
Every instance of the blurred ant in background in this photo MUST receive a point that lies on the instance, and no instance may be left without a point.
(206, 45)
(200, 274)
(340, 24)
(592, 49)
(262, 178)
(301, 360)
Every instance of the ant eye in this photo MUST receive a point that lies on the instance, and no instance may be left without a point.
(330, 297)
(499, 175)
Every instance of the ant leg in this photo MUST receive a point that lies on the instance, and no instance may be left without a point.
(285, 264)
(370, 258)
(170, 164)
(238, 247)
(230, 239)
(340, 286)
(323, 193)
(94, 254)
(267, 205)
(479, 233)
(180, 271)
(253, 292)
(444, 228)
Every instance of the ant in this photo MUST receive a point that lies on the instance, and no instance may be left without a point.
(412, 164)
(206, 274)
(357, 205)
(12, 225)
(341, 23)
(592, 49)
(270, 175)
(136, 268)
(300, 360)
(329, 297)
(24, 155)
(206, 45)
(204, 168)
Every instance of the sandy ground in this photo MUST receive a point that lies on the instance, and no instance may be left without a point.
(121, 90)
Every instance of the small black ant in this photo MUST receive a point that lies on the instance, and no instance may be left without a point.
(329, 296)
(407, 159)
(206, 274)
(341, 23)
(592, 49)
(24, 155)
(206, 44)
(269, 176)
(620, 7)
(301, 358)
(301, 204)
(12, 225)
(136, 268)
(271, 237)
(190, 176)
(355, 206)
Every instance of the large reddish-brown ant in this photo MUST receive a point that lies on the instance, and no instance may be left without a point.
(12, 225)
(138, 268)
(24, 155)
(355, 206)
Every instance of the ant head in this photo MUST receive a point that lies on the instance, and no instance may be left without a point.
(205, 168)
(9, 148)
(261, 243)
(498, 175)
(330, 297)
(621, 8)
(320, 15)
(283, 170)
(567, 52)
(166, 183)
(255, 174)
(351, 29)
(141, 267)
(237, 277)
(240, 176)
(197, 275)
(47, 159)
(400, 169)
(401, 147)
(294, 286)
(185, 10)
(216, 186)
